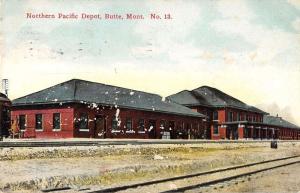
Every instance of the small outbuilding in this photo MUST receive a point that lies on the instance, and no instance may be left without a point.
(4, 115)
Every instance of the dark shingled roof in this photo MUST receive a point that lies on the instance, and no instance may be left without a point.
(82, 91)
(3, 97)
(210, 97)
(278, 121)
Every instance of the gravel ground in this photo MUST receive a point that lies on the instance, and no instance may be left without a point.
(98, 167)
(285, 179)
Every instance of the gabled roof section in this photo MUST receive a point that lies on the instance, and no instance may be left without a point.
(81, 91)
(278, 121)
(211, 97)
(184, 97)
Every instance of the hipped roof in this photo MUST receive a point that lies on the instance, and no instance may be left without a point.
(210, 97)
(82, 91)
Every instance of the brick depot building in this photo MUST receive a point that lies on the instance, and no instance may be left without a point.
(230, 118)
(79, 108)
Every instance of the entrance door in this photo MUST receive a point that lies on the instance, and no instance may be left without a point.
(232, 132)
(99, 131)
(152, 129)
(228, 132)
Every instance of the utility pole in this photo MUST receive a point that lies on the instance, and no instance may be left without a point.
(5, 86)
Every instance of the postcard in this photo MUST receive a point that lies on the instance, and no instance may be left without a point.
(155, 96)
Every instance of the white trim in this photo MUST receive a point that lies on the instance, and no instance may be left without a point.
(84, 130)
(56, 129)
(130, 131)
(141, 131)
(115, 131)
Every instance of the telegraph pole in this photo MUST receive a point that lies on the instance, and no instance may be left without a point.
(5, 86)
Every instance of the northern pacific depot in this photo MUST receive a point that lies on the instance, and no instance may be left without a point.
(79, 108)
(93, 16)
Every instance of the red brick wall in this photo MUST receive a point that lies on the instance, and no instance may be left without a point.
(66, 130)
(222, 115)
(258, 116)
(241, 132)
(71, 114)
(135, 115)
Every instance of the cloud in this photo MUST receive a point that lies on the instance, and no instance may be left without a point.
(268, 42)
(296, 24)
(169, 37)
(295, 3)
(234, 9)
(275, 110)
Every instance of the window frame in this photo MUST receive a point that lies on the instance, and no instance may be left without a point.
(162, 123)
(41, 124)
(129, 129)
(171, 123)
(215, 113)
(53, 122)
(230, 116)
(25, 122)
(139, 125)
(216, 128)
(114, 125)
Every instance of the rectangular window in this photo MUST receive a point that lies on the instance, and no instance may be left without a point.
(215, 115)
(22, 122)
(171, 125)
(115, 124)
(207, 115)
(242, 117)
(141, 125)
(38, 121)
(162, 125)
(230, 116)
(83, 121)
(128, 124)
(56, 121)
(216, 130)
(238, 116)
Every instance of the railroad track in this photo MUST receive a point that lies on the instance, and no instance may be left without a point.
(122, 142)
(204, 179)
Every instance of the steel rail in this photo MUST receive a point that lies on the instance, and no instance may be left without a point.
(213, 182)
(120, 188)
(125, 142)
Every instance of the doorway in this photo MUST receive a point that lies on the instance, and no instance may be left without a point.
(99, 130)
(152, 129)
(232, 132)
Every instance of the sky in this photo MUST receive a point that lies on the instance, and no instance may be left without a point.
(249, 49)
